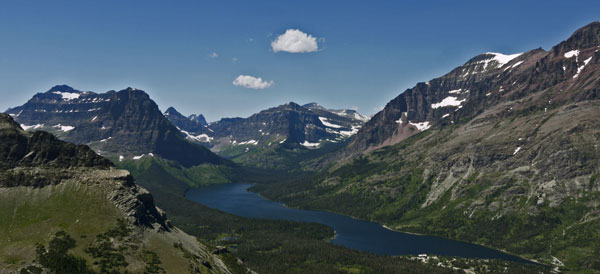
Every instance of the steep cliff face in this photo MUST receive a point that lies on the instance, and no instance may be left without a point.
(126, 123)
(193, 124)
(278, 137)
(308, 125)
(508, 142)
(290, 122)
(486, 80)
(47, 186)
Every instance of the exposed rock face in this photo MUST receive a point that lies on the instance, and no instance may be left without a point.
(198, 118)
(194, 124)
(124, 123)
(36, 167)
(289, 124)
(487, 80)
(515, 148)
(38, 159)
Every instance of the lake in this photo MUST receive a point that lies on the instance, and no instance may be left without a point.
(350, 232)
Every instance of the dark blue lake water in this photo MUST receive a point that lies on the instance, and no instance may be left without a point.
(352, 233)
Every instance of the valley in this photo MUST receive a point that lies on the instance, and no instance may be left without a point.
(491, 167)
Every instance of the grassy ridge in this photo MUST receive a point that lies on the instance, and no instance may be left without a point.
(29, 216)
(390, 186)
(192, 176)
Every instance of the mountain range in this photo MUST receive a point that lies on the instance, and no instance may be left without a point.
(310, 125)
(507, 142)
(504, 141)
(124, 124)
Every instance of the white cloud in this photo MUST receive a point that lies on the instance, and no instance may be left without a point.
(248, 81)
(295, 41)
(213, 55)
(233, 59)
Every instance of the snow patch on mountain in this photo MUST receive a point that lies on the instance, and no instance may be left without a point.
(63, 128)
(200, 138)
(580, 68)
(516, 150)
(572, 53)
(310, 145)
(249, 142)
(328, 124)
(503, 59)
(420, 126)
(67, 96)
(448, 101)
(348, 133)
(26, 127)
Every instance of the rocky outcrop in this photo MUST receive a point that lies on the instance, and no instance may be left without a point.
(38, 159)
(289, 124)
(125, 123)
(487, 80)
(38, 171)
(503, 141)
(193, 124)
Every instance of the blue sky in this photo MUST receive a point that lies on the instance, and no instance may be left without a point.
(368, 51)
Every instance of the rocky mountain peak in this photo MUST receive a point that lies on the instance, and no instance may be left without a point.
(7, 123)
(125, 124)
(292, 106)
(21, 148)
(584, 38)
(63, 88)
(313, 105)
(172, 111)
(199, 118)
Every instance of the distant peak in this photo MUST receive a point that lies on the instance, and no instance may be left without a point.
(172, 111)
(500, 58)
(198, 118)
(292, 104)
(62, 88)
(135, 91)
(7, 122)
(591, 27)
(585, 37)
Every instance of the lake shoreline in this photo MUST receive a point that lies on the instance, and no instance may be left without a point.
(371, 240)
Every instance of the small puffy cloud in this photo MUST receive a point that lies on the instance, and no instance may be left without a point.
(234, 59)
(295, 41)
(213, 55)
(248, 81)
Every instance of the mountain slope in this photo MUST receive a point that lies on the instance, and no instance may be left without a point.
(126, 123)
(190, 125)
(485, 80)
(508, 144)
(92, 216)
(278, 137)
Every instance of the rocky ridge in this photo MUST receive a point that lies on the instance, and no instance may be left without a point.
(37, 162)
(504, 141)
(124, 123)
(307, 126)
